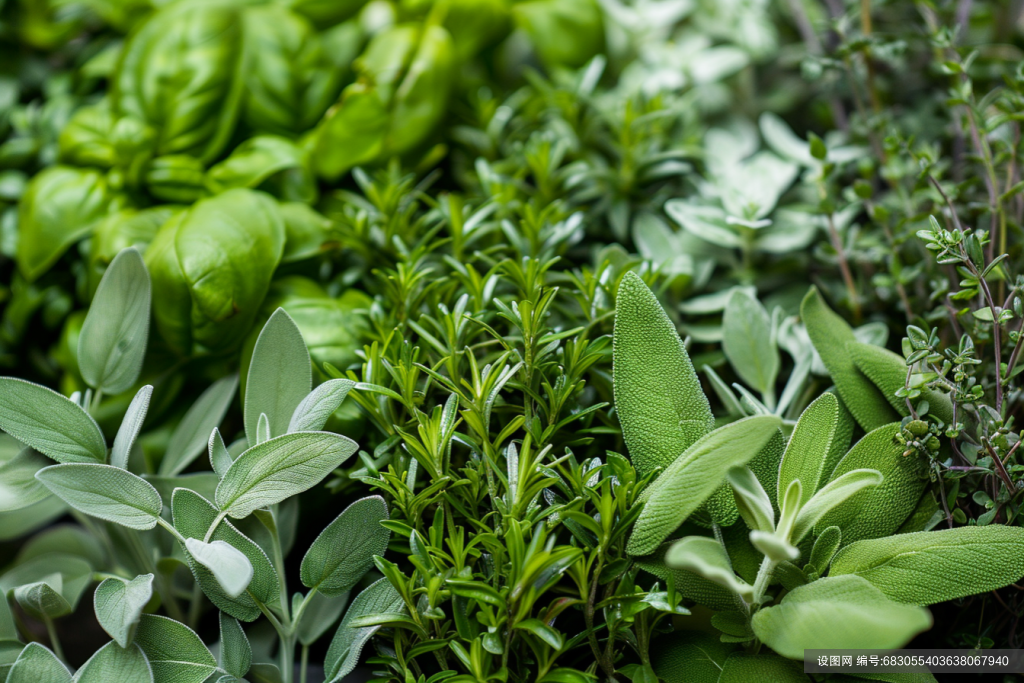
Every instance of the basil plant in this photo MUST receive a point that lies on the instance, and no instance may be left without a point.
(797, 541)
(153, 541)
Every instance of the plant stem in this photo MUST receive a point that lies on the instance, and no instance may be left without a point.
(51, 631)
(304, 664)
(288, 658)
(764, 575)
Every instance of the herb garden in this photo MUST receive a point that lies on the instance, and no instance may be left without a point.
(511, 341)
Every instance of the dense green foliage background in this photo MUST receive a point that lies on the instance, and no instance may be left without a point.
(446, 196)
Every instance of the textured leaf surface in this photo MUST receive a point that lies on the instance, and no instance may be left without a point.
(344, 551)
(193, 515)
(43, 598)
(927, 567)
(831, 496)
(36, 664)
(113, 663)
(228, 565)
(688, 584)
(312, 413)
(280, 375)
(690, 657)
(888, 372)
(695, 475)
(75, 574)
(809, 447)
(49, 422)
(113, 339)
(19, 487)
(840, 612)
(747, 341)
(119, 603)
(880, 510)
(235, 651)
(175, 652)
(130, 426)
(741, 667)
(321, 613)
(192, 434)
(831, 335)
(280, 468)
(706, 557)
(106, 492)
(658, 397)
(343, 653)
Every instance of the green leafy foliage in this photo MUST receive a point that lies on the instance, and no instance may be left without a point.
(933, 566)
(657, 395)
(106, 492)
(119, 604)
(846, 610)
(694, 476)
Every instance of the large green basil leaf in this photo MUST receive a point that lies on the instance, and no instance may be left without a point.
(406, 73)
(211, 266)
(256, 160)
(120, 230)
(563, 32)
(95, 136)
(180, 73)
(422, 96)
(292, 79)
(60, 206)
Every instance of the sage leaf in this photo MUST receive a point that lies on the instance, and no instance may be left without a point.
(74, 575)
(809, 446)
(36, 664)
(838, 612)
(262, 430)
(707, 558)
(657, 394)
(832, 495)
(235, 651)
(880, 510)
(748, 342)
(280, 375)
(220, 457)
(105, 492)
(192, 516)
(43, 598)
(927, 567)
(824, 549)
(321, 613)
(742, 667)
(344, 551)
(280, 468)
(119, 604)
(313, 411)
(19, 487)
(130, 426)
(695, 475)
(193, 432)
(229, 565)
(689, 657)
(831, 336)
(114, 663)
(888, 372)
(174, 650)
(347, 644)
(50, 423)
(751, 499)
(112, 342)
